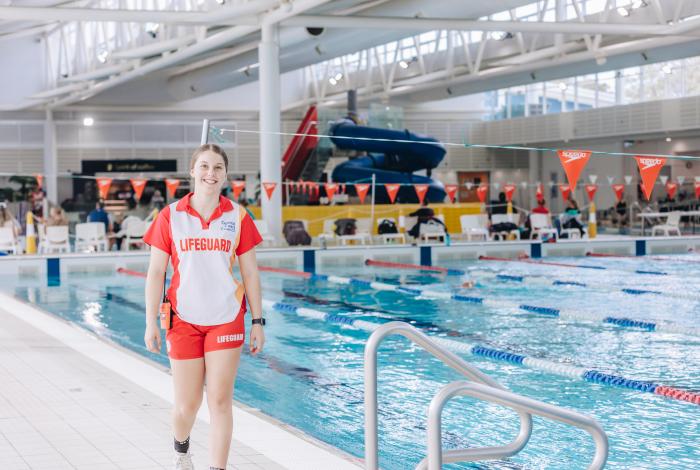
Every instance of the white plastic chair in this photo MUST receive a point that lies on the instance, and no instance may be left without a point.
(501, 219)
(387, 238)
(431, 231)
(56, 239)
(474, 226)
(90, 236)
(135, 230)
(362, 232)
(541, 224)
(264, 231)
(328, 234)
(8, 241)
(672, 225)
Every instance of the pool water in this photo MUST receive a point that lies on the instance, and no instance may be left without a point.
(311, 373)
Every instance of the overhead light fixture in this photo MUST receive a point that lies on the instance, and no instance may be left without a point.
(498, 35)
(563, 86)
(667, 69)
(333, 81)
(152, 29)
(639, 4)
(403, 64)
(668, 139)
(102, 55)
(88, 121)
(338, 76)
(622, 11)
(220, 2)
(601, 59)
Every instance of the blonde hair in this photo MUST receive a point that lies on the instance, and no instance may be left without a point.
(209, 148)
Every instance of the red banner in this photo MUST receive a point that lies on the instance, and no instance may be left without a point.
(331, 188)
(269, 189)
(392, 190)
(237, 187)
(171, 184)
(139, 184)
(103, 185)
(451, 191)
(421, 191)
(362, 191)
(39, 180)
(314, 189)
(697, 190)
(619, 191)
(565, 191)
(481, 193)
(671, 189)
(573, 161)
(649, 168)
(509, 190)
(539, 192)
(590, 190)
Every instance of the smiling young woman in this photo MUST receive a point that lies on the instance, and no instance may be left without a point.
(201, 235)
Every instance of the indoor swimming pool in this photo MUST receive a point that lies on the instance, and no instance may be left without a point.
(587, 314)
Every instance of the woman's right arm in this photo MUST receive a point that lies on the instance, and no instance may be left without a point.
(154, 289)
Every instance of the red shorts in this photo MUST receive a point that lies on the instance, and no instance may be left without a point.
(187, 341)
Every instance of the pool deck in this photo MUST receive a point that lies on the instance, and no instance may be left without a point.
(70, 400)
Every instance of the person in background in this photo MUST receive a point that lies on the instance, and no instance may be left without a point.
(157, 200)
(425, 216)
(541, 207)
(57, 217)
(8, 220)
(571, 217)
(244, 203)
(99, 214)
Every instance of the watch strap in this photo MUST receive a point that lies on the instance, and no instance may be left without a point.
(258, 321)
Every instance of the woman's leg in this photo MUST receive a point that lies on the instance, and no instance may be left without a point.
(188, 381)
(221, 369)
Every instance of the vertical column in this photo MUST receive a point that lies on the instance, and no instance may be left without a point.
(270, 144)
(50, 159)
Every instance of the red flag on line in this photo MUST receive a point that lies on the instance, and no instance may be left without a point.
(509, 190)
(331, 188)
(237, 187)
(39, 180)
(573, 161)
(171, 185)
(362, 191)
(539, 192)
(103, 185)
(590, 190)
(421, 191)
(565, 191)
(481, 193)
(649, 168)
(392, 190)
(671, 189)
(269, 189)
(619, 191)
(139, 184)
(451, 191)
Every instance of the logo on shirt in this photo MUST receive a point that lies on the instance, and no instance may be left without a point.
(228, 226)
(229, 338)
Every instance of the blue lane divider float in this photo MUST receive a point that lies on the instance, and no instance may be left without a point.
(564, 314)
(556, 368)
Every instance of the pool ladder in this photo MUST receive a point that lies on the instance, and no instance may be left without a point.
(479, 386)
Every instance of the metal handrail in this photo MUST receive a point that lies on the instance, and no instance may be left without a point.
(481, 386)
(512, 400)
(450, 359)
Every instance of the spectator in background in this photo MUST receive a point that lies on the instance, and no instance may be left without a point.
(157, 200)
(57, 217)
(425, 215)
(541, 207)
(99, 214)
(571, 217)
(8, 220)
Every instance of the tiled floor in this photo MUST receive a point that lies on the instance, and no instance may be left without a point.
(60, 409)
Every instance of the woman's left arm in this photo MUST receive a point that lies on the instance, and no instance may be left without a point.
(251, 282)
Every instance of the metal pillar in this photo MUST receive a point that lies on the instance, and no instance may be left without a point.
(50, 159)
(270, 144)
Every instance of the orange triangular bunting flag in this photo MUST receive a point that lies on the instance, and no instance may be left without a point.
(590, 190)
(171, 184)
(619, 191)
(671, 189)
(451, 191)
(565, 191)
(649, 168)
(539, 192)
(421, 190)
(573, 162)
(481, 193)
(392, 190)
(697, 190)
(139, 184)
(39, 180)
(237, 187)
(362, 191)
(269, 189)
(331, 188)
(103, 185)
(509, 189)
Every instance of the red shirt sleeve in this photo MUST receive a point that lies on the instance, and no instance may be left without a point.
(158, 234)
(250, 237)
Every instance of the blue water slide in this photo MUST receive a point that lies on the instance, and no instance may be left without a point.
(392, 157)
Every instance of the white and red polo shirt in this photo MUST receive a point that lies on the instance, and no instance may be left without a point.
(203, 290)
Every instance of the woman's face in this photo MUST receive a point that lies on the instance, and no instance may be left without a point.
(209, 173)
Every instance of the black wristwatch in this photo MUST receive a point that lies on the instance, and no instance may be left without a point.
(258, 321)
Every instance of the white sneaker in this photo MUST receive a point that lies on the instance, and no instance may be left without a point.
(183, 461)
